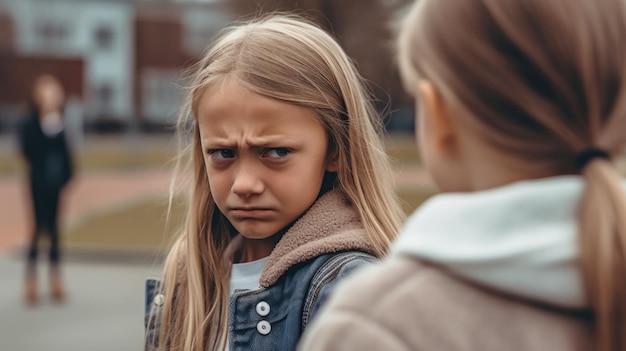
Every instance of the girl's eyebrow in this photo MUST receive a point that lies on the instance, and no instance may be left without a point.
(264, 141)
(271, 140)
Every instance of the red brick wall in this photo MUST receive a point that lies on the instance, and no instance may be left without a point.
(19, 72)
(7, 32)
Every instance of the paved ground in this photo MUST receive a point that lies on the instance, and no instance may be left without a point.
(104, 309)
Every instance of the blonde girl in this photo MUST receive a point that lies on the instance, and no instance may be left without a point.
(291, 191)
(522, 113)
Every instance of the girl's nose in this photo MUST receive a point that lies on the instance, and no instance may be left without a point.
(247, 182)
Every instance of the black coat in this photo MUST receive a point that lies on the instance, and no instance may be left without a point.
(48, 157)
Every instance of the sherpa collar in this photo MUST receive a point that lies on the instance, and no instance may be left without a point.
(330, 225)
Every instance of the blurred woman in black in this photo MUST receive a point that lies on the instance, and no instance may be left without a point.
(44, 146)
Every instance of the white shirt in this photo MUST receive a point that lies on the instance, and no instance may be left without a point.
(51, 124)
(246, 275)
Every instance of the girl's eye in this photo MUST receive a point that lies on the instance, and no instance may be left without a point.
(279, 152)
(222, 154)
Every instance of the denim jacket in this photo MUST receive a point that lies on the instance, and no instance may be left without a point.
(274, 318)
(324, 246)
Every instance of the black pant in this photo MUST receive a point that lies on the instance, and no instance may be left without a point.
(46, 205)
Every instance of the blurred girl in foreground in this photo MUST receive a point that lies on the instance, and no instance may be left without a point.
(522, 110)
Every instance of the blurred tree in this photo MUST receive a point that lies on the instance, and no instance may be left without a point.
(364, 28)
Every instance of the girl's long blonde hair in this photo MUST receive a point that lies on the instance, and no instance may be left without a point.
(542, 81)
(290, 59)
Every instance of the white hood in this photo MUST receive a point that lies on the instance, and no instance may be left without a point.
(520, 239)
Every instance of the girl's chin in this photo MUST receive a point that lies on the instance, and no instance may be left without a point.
(266, 234)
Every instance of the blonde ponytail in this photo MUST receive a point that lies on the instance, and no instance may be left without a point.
(603, 252)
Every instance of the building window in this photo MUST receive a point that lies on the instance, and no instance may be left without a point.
(199, 27)
(52, 34)
(161, 93)
(103, 37)
(105, 95)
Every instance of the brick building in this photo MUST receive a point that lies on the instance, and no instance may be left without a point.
(122, 59)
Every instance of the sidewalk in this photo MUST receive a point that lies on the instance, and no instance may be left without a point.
(104, 309)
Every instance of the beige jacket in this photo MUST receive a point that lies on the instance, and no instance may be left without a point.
(495, 270)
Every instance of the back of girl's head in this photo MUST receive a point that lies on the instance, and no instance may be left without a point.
(541, 81)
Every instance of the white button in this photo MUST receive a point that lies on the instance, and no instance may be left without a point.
(264, 327)
(263, 308)
(159, 299)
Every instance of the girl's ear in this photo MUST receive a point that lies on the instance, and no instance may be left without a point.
(331, 159)
(437, 120)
